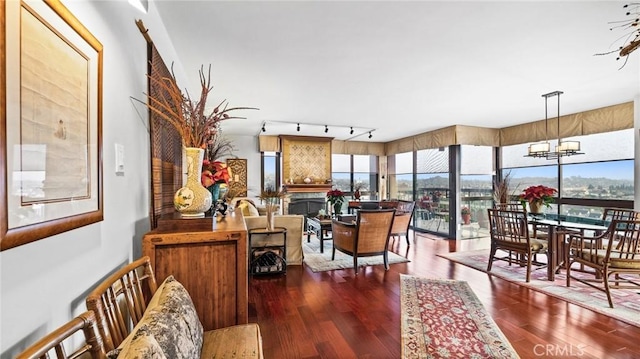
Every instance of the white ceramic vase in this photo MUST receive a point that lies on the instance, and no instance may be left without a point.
(193, 200)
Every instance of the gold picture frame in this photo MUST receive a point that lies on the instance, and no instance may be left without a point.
(50, 122)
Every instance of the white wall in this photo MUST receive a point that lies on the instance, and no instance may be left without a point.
(43, 284)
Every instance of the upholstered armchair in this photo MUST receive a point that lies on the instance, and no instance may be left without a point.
(615, 253)
(368, 236)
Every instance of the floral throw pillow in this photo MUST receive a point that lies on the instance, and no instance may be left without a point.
(142, 345)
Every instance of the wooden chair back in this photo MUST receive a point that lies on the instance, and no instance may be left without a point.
(509, 232)
(512, 206)
(120, 300)
(509, 228)
(611, 214)
(54, 344)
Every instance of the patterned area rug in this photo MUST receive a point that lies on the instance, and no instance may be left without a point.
(319, 262)
(443, 318)
(626, 301)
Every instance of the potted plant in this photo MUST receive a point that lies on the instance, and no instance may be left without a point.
(537, 196)
(335, 198)
(466, 215)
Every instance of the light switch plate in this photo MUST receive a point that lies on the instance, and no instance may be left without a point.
(119, 158)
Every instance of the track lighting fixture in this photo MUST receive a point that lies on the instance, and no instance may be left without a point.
(314, 129)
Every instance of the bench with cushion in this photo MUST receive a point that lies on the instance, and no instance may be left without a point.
(137, 317)
(56, 343)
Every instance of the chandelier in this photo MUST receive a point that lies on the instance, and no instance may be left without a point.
(564, 148)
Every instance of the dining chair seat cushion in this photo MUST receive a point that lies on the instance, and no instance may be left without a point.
(538, 245)
(613, 262)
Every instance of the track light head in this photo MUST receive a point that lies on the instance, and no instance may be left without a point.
(326, 129)
(351, 132)
(298, 128)
(370, 135)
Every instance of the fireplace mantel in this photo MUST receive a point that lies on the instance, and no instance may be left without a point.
(308, 188)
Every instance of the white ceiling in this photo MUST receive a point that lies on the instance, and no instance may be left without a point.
(401, 68)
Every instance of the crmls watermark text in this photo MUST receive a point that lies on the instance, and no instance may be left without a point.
(555, 350)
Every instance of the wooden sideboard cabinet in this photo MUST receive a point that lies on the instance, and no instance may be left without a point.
(209, 259)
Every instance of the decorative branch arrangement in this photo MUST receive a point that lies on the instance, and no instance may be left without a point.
(219, 147)
(631, 39)
(187, 116)
(272, 198)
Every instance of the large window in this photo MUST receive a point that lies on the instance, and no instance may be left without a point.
(401, 180)
(365, 175)
(601, 177)
(270, 170)
(476, 186)
(341, 172)
(432, 190)
(351, 172)
(599, 180)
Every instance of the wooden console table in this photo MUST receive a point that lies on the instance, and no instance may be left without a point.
(210, 262)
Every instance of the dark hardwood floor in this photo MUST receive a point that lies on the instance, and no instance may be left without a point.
(337, 314)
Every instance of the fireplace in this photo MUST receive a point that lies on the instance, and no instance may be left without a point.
(308, 207)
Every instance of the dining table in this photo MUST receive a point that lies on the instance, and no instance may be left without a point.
(557, 231)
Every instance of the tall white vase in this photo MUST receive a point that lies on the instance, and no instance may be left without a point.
(193, 200)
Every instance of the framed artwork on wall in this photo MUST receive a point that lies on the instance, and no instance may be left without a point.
(306, 160)
(238, 181)
(51, 122)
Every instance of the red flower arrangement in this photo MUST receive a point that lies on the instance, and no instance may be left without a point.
(214, 172)
(335, 196)
(541, 194)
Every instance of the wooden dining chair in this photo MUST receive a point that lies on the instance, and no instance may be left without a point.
(619, 257)
(598, 240)
(58, 343)
(509, 232)
(368, 236)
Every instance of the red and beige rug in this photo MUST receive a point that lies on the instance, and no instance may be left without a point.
(443, 318)
(626, 301)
